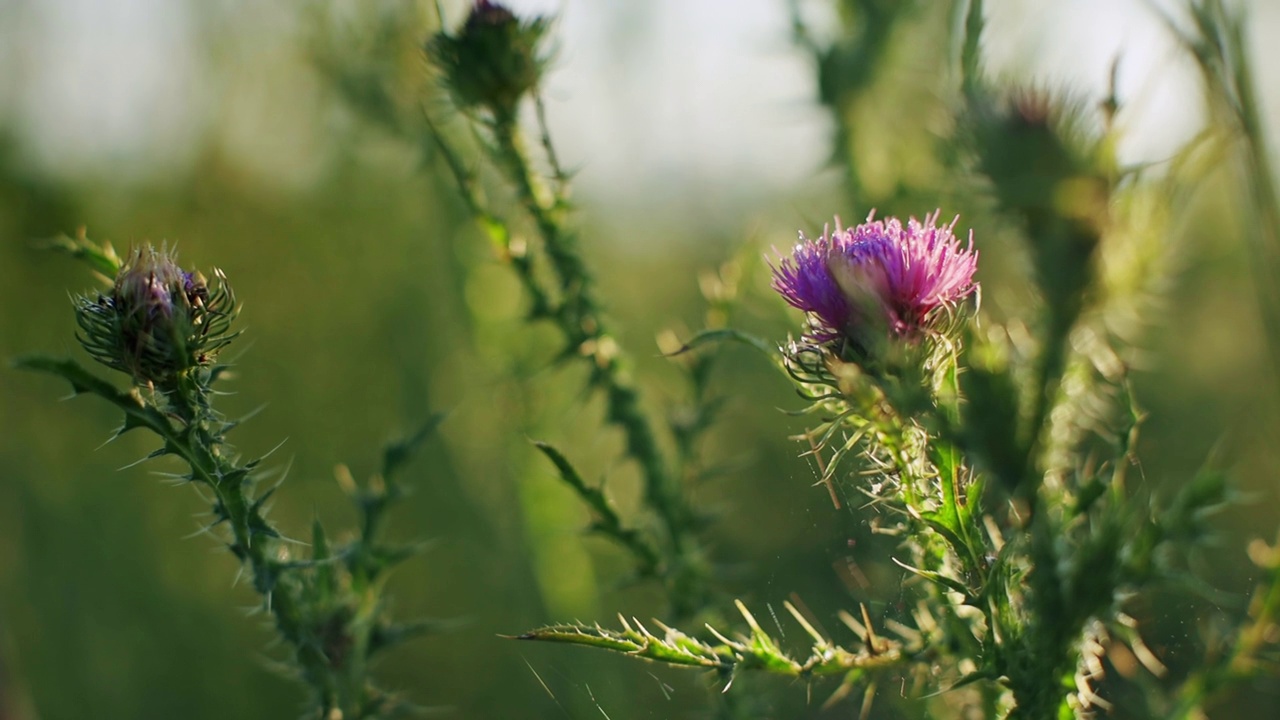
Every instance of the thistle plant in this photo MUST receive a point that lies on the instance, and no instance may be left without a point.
(491, 67)
(1022, 583)
(986, 424)
(995, 450)
(165, 327)
(997, 455)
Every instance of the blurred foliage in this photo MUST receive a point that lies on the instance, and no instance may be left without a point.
(369, 297)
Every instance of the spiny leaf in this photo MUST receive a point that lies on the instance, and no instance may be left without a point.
(229, 425)
(939, 578)
(765, 650)
(102, 259)
(397, 453)
(261, 502)
(137, 413)
(607, 522)
(259, 525)
(390, 634)
(717, 335)
(233, 478)
(319, 542)
(757, 652)
(674, 649)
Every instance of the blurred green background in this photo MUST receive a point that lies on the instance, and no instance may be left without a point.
(371, 301)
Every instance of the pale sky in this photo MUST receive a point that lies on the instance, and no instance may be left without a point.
(708, 91)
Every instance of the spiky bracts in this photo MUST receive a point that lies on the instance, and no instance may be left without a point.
(158, 321)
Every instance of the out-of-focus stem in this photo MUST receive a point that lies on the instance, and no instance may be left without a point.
(1219, 45)
(579, 317)
(1051, 366)
(1266, 233)
(1241, 662)
(572, 307)
(494, 227)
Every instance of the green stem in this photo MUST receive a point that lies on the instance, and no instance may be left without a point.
(1266, 235)
(544, 131)
(498, 231)
(580, 318)
(332, 624)
(1046, 651)
(1218, 44)
(649, 559)
(198, 444)
(1052, 364)
(338, 675)
(548, 211)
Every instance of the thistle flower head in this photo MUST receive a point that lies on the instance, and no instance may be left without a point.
(493, 60)
(158, 321)
(880, 276)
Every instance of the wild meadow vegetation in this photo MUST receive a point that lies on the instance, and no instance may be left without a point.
(980, 425)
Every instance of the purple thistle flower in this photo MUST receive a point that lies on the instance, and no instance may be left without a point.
(879, 274)
(805, 283)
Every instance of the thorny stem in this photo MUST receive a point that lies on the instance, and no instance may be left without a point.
(331, 637)
(1052, 364)
(580, 318)
(1219, 46)
(193, 431)
(195, 440)
(1266, 245)
(575, 311)
(1052, 641)
(548, 210)
(964, 546)
(495, 227)
(544, 131)
(199, 445)
(1035, 685)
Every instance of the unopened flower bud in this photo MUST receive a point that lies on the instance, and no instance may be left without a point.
(494, 60)
(158, 321)
(1050, 170)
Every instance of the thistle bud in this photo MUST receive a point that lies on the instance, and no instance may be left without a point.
(1048, 170)
(158, 321)
(494, 60)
